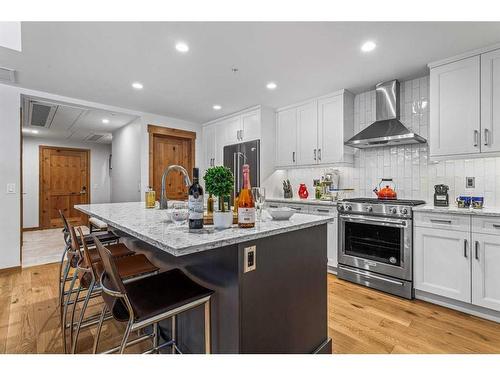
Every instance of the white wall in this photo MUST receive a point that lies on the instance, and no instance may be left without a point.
(10, 172)
(126, 174)
(99, 174)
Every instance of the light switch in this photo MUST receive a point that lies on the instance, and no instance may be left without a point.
(470, 182)
(250, 259)
(11, 188)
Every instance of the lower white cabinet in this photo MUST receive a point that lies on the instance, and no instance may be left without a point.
(442, 262)
(332, 243)
(486, 271)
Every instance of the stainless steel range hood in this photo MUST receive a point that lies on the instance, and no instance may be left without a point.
(387, 130)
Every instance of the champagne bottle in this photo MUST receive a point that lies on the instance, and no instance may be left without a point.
(195, 202)
(246, 204)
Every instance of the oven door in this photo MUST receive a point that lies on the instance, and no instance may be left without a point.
(377, 244)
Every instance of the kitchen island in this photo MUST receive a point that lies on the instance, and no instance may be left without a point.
(273, 302)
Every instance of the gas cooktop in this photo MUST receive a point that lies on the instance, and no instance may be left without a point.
(403, 202)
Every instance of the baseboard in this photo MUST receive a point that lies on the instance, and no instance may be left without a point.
(31, 229)
(331, 269)
(464, 307)
(10, 269)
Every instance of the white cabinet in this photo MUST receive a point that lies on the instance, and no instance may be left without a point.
(490, 101)
(455, 108)
(486, 271)
(442, 262)
(314, 132)
(230, 130)
(335, 125)
(332, 244)
(209, 135)
(250, 126)
(286, 137)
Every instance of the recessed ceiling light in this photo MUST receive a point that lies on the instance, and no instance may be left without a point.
(137, 85)
(271, 85)
(182, 47)
(216, 107)
(368, 46)
(105, 121)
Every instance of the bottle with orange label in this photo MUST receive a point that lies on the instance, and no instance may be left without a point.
(246, 204)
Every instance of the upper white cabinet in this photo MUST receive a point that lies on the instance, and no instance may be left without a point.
(286, 137)
(209, 136)
(465, 105)
(250, 126)
(314, 132)
(455, 108)
(490, 101)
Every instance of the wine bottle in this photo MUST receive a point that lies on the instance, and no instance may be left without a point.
(195, 202)
(246, 204)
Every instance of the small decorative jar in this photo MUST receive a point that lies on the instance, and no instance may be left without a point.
(303, 193)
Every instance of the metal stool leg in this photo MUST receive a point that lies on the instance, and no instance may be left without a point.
(72, 320)
(65, 311)
(207, 327)
(82, 313)
(63, 274)
(125, 337)
(156, 337)
(174, 333)
(99, 327)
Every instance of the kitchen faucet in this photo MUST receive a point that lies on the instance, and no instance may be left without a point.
(187, 181)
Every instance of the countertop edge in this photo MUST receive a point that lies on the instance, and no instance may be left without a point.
(308, 202)
(492, 211)
(209, 245)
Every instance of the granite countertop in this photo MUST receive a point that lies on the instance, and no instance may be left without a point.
(312, 202)
(453, 209)
(154, 227)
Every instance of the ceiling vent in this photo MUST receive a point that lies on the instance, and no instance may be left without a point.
(7, 75)
(94, 137)
(41, 114)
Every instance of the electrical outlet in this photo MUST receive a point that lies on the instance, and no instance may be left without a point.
(250, 259)
(470, 182)
(11, 188)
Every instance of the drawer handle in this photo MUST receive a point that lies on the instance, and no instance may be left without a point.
(296, 208)
(439, 221)
(322, 210)
(497, 226)
(273, 206)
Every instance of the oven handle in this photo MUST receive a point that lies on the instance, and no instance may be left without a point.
(371, 276)
(378, 221)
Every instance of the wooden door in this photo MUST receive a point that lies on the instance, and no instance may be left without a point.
(490, 101)
(486, 271)
(64, 182)
(307, 134)
(167, 147)
(455, 108)
(286, 137)
(442, 262)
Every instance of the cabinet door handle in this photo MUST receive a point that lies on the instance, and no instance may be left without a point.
(319, 154)
(322, 210)
(273, 206)
(241, 134)
(496, 226)
(486, 137)
(296, 208)
(476, 138)
(314, 154)
(438, 221)
(293, 156)
(477, 250)
(466, 243)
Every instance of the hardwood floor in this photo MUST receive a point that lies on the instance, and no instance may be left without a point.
(360, 320)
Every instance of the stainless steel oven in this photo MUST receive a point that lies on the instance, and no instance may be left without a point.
(375, 245)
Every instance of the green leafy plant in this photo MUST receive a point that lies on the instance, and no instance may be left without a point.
(219, 182)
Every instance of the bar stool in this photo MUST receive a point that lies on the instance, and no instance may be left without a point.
(148, 301)
(89, 270)
(64, 269)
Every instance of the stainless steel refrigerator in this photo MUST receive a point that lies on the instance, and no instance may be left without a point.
(237, 155)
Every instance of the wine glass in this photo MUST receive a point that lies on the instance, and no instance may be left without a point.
(180, 213)
(259, 196)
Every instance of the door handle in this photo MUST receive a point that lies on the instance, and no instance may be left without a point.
(486, 137)
(293, 156)
(438, 221)
(466, 243)
(314, 154)
(494, 225)
(476, 138)
(477, 250)
(319, 154)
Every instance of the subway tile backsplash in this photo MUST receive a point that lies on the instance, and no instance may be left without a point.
(414, 174)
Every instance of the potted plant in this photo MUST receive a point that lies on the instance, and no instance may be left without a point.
(219, 182)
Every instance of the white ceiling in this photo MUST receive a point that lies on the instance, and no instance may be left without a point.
(75, 123)
(99, 61)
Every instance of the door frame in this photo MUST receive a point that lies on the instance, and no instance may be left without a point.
(160, 131)
(40, 176)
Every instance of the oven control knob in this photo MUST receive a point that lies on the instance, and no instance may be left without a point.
(369, 208)
(393, 210)
(349, 208)
(404, 211)
(341, 208)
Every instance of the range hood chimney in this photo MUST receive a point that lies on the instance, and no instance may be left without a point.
(387, 130)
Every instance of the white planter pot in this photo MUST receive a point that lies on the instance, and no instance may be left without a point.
(223, 220)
